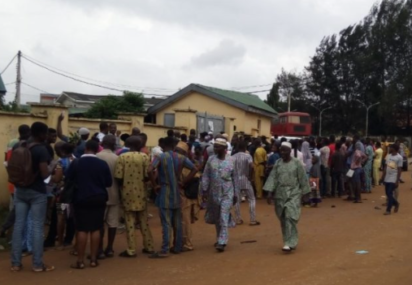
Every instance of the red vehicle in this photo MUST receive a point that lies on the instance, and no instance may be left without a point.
(293, 124)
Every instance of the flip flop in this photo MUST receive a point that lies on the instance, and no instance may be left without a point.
(254, 224)
(158, 255)
(94, 263)
(78, 265)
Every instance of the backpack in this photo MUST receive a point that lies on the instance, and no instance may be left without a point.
(20, 165)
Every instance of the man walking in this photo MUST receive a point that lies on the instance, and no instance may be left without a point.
(217, 185)
(243, 173)
(112, 209)
(391, 176)
(288, 183)
(131, 169)
(260, 158)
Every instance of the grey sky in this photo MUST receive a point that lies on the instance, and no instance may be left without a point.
(166, 44)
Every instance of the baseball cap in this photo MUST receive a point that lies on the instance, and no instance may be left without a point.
(84, 131)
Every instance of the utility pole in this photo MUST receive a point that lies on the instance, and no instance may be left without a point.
(367, 114)
(289, 100)
(18, 80)
(320, 116)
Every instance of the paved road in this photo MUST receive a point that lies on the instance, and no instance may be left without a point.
(330, 236)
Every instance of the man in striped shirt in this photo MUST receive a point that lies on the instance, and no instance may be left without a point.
(169, 166)
(243, 173)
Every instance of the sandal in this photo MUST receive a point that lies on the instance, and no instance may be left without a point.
(239, 222)
(45, 268)
(159, 255)
(16, 268)
(78, 265)
(256, 223)
(126, 254)
(73, 252)
(109, 253)
(94, 263)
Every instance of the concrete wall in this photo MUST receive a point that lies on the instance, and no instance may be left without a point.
(244, 121)
(48, 114)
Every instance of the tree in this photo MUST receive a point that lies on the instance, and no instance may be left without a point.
(110, 106)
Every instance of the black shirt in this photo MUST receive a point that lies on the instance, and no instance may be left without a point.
(39, 154)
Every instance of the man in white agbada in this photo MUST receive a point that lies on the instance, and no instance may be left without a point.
(286, 184)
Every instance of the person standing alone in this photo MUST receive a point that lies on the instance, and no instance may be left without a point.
(391, 176)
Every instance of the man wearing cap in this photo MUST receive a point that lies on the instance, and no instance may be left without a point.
(190, 206)
(288, 183)
(217, 185)
(84, 134)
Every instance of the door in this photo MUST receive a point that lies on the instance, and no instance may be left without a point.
(209, 123)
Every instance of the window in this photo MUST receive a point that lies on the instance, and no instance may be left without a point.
(305, 120)
(169, 120)
(294, 119)
(299, 129)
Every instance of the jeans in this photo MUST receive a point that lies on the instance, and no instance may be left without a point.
(24, 200)
(337, 183)
(28, 234)
(390, 189)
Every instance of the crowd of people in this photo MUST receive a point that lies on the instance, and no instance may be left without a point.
(88, 186)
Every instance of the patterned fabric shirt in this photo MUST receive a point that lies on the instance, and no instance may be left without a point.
(132, 168)
(170, 166)
(241, 163)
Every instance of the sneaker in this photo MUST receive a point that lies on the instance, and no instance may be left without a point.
(286, 249)
(220, 247)
(45, 268)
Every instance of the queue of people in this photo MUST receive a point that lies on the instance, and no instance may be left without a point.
(101, 181)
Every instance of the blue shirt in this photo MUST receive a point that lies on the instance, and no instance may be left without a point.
(92, 176)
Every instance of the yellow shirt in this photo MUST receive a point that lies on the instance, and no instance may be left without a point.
(132, 168)
(378, 157)
(259, 160)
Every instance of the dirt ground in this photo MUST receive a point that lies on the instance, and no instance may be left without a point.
(329, 239)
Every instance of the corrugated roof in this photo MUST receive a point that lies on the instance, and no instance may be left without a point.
(84, 97)
(3, 89)
(245, 101)
(244, 98)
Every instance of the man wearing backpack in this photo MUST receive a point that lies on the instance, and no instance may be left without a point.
(24, 134)
(28, 168)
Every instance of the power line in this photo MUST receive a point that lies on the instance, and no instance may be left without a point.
(38, 89)
(10, 83)
(75, 79)
(11, 61)
(259, 91)
(95, 80)
(253, 86)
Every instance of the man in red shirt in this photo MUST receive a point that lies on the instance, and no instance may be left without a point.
(332, 147)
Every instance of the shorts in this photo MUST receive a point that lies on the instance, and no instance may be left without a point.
(111, 216)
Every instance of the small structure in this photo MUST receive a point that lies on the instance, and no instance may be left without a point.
(215, 110)
(79, 103)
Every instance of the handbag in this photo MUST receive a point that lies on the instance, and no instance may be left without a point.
(192, 188)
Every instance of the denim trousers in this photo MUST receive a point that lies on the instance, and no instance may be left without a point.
(26, 200)
(390, 191)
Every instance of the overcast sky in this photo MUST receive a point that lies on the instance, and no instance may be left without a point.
(165, 44)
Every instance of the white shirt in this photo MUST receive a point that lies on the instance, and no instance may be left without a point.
(100, 136)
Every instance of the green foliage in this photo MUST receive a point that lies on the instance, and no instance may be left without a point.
(12, 107)
(369, 62)
(111, 106)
